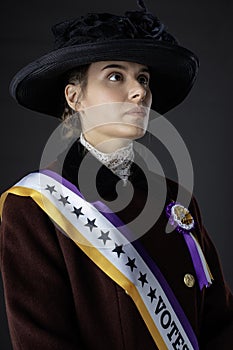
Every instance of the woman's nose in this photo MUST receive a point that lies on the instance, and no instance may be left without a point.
(137, 92)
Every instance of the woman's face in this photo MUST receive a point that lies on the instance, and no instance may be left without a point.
(116, 102)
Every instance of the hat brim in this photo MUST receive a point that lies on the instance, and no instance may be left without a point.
(40, 85)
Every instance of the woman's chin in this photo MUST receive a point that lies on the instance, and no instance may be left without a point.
(131, 131)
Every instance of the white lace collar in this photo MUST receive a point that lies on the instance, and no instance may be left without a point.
(119, 161)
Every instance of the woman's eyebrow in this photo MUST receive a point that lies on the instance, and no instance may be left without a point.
(119, 66)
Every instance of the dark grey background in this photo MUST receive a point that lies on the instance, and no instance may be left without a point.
(204, 120)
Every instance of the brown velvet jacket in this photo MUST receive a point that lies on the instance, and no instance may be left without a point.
(58, 299)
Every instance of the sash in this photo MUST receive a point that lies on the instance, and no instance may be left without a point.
(101, 235)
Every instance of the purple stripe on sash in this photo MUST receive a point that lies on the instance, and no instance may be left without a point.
(116, 221)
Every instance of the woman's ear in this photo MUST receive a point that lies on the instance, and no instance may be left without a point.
(72, 95)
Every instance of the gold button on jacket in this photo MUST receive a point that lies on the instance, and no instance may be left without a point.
(189, 280)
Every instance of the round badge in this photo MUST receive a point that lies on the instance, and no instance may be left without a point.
(180, 217)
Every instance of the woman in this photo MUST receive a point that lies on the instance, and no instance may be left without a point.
(75, 275)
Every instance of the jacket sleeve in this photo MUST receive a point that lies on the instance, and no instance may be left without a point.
(217, 308)
(217, 320)
(39, 301)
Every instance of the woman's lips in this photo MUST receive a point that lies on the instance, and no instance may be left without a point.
(137, 111)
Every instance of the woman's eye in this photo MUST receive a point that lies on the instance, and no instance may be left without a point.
(143, 79)
(115, 77)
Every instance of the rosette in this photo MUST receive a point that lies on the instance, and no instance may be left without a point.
(182, 220)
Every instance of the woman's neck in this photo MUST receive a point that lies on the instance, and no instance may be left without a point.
(108, 145)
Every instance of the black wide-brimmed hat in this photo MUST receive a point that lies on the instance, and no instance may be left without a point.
(137, 36)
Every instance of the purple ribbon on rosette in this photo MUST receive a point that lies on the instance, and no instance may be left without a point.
(177, 218)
